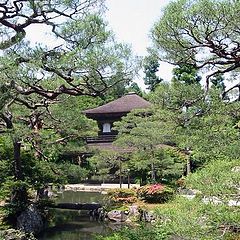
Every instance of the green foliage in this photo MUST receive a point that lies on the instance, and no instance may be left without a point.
(186, 74)
(196, 32)
(192, 219)
(218, 82)
(186, 219)
(36, 110)
(156, 193)
(68, 127)
(173, 97)
(205, 126)
(219, 178)
(36, 173)
(196, 128)
(5, 164)
(107, 163)
(148, 132)
(169, 164)
(16, 196)
(213, 135)
(135, 88)
(16, 234)
(4, 96)
(143, 232)
(73, 173)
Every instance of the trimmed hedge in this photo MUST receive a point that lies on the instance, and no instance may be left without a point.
(156, 193)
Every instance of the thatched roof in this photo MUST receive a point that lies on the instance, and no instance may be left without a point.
(124, 104)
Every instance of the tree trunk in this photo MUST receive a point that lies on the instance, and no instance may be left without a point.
(17, 164)
(19, 194)
(188, 165)
(153, 173)
(120, 173)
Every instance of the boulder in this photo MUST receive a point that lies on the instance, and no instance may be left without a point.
(148, 216)
(31, 220)
(236, 169)
(134, 214)
(117, 216)
(98, 214)
(133, 210)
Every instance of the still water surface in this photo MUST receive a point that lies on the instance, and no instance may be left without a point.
(75, 225)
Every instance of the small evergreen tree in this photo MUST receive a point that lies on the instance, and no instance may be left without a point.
(150, 68)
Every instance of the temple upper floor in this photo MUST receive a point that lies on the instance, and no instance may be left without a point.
(111, 112)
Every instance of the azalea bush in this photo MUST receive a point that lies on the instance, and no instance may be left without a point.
(122, 195)
(156, 193)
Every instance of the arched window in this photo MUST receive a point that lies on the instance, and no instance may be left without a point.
(106, 128)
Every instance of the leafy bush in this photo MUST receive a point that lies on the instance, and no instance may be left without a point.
(156, 193)
(15, 195)
(122, 195)
(193, 219)
(218, 178)
(143, 232)
(73, 173)
(181, 182)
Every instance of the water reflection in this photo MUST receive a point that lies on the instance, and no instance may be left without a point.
(74, 225)
(79, 197)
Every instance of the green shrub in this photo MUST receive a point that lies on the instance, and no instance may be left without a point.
(156, 193)
(15, 195)
(217, 178)
(193, 219)
(143, 232)
(73, 173)
(122, 195)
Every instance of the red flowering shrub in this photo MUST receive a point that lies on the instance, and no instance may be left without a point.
(156, 193)
(121, 195)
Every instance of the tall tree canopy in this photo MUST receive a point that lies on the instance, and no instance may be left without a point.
(86, 60)
(17, 15)
(204, 33)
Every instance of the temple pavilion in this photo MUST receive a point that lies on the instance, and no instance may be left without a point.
(111, 112)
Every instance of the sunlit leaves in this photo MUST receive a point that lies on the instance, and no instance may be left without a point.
(219, 178)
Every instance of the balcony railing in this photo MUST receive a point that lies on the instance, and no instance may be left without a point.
(101, 139)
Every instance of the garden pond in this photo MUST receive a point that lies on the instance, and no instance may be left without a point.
(75, 224)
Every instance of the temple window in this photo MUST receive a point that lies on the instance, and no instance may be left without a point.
(106, 127)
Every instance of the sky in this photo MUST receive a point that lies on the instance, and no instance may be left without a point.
(131, 21)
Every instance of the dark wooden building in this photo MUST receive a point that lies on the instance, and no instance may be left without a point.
(111, 112)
